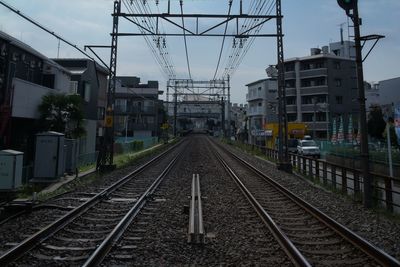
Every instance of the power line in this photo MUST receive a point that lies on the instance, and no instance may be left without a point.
(223, 40)
(16, 11)
(184, 38)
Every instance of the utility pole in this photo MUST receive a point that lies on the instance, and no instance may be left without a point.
(229, 107)
(348, 6)
(283, 159)
(105, 162)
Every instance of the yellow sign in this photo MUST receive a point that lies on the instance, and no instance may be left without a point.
(108, 121)
(165, 126)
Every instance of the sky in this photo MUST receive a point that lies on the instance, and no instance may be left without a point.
(306, 24)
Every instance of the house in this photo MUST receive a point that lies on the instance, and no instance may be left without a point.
(89, 80)
(138, 110)
(25, 77)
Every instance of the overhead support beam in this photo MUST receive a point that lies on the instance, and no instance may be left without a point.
(223, 16)
(197, 35)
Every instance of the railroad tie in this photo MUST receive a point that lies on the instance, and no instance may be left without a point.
(196, 228)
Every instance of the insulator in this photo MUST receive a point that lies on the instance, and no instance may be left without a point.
(164, 43)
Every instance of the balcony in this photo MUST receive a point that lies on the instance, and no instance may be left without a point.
(27, 97)
(310, 107)
(313, 73)
(290, 91)
(314, 90)
(256, 111)
(291, 108)
(122, 109)
(255, 96)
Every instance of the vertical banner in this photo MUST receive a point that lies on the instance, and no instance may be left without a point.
(350, 130)
(340, 135)
(397, 121)
(334, 135)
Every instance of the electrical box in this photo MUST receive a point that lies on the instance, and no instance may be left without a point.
(71, 155)
(49, 157)
(11, 162)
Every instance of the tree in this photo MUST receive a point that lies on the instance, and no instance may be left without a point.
(376, 123)
(62, 113)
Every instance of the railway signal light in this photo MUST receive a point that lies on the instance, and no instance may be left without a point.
(347, 5)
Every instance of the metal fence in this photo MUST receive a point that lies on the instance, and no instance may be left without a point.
(127, 145)
(347, 180)
(87, 159)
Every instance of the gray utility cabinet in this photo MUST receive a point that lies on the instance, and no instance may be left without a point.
(11, 169)
(71, 155)
(49, 157)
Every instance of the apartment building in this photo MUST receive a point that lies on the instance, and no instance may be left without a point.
(321, 87)
(138, 110)
(262, 106)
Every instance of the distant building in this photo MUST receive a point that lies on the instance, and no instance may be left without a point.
(321, 86)
(385, 94)
(25, 77)
(238, 118)
(89, 80)
(138, 110)
(262, 103)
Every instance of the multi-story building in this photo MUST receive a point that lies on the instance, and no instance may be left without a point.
(138, 111)
(238, 118)
(319, 88)
(89, 80)
(261, 109)
(25, 77)
(385, 94)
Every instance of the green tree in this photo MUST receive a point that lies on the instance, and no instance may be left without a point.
(376, 123)
(62, 113)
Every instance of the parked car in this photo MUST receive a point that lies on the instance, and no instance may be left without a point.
(292, 145)
(308, 148)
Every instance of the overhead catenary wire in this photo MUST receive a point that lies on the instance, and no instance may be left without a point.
(223, 40)
(159, 53)
(18, 12)
(184, 38)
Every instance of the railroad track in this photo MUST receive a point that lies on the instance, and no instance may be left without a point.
(86, 232)
(309, 236)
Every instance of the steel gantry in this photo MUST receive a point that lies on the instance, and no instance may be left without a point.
(246, 27)
(212, 95)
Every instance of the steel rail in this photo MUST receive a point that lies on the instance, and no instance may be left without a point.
(40, 236)
(100, 253)
(291, 250)
(376, 253)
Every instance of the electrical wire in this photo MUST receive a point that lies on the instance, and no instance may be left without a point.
(184, 38)
(223, 40)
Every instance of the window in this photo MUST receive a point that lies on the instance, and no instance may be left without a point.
(272, 91)
(73, 87)
(321, 116)
(260, 104)
(336, 52)
(305, 83)
(320, 81)
(292, 116)
(86, 91)
(259, 88)
(100, 113)
(290, 83)
(337, 65)
(319, 65)
(306, 100)
(339, 99)
(338, 82)
(289, 67)
(291, 100)
(307, 117)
